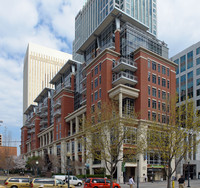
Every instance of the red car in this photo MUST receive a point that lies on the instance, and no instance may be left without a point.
(99, 182)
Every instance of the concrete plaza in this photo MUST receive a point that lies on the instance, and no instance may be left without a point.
(193, 184)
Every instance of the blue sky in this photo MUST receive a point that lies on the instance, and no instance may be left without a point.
(51, 23)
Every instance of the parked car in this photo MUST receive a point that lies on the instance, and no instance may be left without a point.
(99, 182)
(73, 180)
(49, 182)
(17, 182)
(61, 177)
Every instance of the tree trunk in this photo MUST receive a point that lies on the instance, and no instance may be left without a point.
(111, 180)
(169, 176)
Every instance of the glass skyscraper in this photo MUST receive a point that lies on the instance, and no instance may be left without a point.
(94, 12)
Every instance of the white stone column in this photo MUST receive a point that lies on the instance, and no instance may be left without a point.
(49, 137)
(71, 129)
(120, 104)
(54, 149)
(63, 157)
(119, 165)
(43, 138)
(76, 152)
(83, 116)
(77, 124)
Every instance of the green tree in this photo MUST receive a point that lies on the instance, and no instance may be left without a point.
(175, 138)
(105, 134)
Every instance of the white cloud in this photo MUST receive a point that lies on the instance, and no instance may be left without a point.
(178, 23)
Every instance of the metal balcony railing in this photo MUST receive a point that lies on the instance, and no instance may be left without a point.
(124, 64)
(57, 113)
(124, 78)
(57, 104)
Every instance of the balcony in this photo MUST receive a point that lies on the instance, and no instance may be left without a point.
(43, 121)
(57, 104)
(44, 107)
(57, 113)
(83, 101)
(44, 114)
(124, 78)
(83, 79)
(43, 128)
(32, 130)
(124, 64)
(83, 89)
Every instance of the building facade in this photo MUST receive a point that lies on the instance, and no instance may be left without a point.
(120, 60)
(40, 66)
(188, 87)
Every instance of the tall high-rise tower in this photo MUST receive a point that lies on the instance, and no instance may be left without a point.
(94, 13)
(40, 66)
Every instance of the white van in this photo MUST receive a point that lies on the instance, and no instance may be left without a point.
(73, 180)
(61, 177)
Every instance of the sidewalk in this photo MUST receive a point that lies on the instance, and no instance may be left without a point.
(193, 184)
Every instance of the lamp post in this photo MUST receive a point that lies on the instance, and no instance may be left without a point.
(188, 173)
(152, 174)
(138, 179)
(36, 162)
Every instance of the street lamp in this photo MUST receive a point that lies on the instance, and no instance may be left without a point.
(138, 173)
(36, 162)
(188, 173)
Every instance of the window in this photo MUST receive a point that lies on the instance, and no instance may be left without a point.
(163, 119)
(100, 93)
(149, 115)
(149, 75)
(154, 78)
(158, 93)
(198, 71)
(153, 65)
(163, 82)
(159, 105)
(92, 73)
(163, 70)
(96, 95)
(190, 59)
(158, 67)
(198, 61)
(198, 102)
(149, 103)
(153, 104)
(167, 71)
(198, 92)
(149, 63)
(99, 105)
(153, 116)
(92, 85)
(163, 95)
(92, 97)
(182, 63)
(198, 51)
(149, 90)
(163, 107)
(168, 84)
(177, 68)
(158, 80)
(96, 70)
(92, 108)
(100, 79)
(198, 82)
(96, 83)
(158, 117)
(100, 66)
(154, 92)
